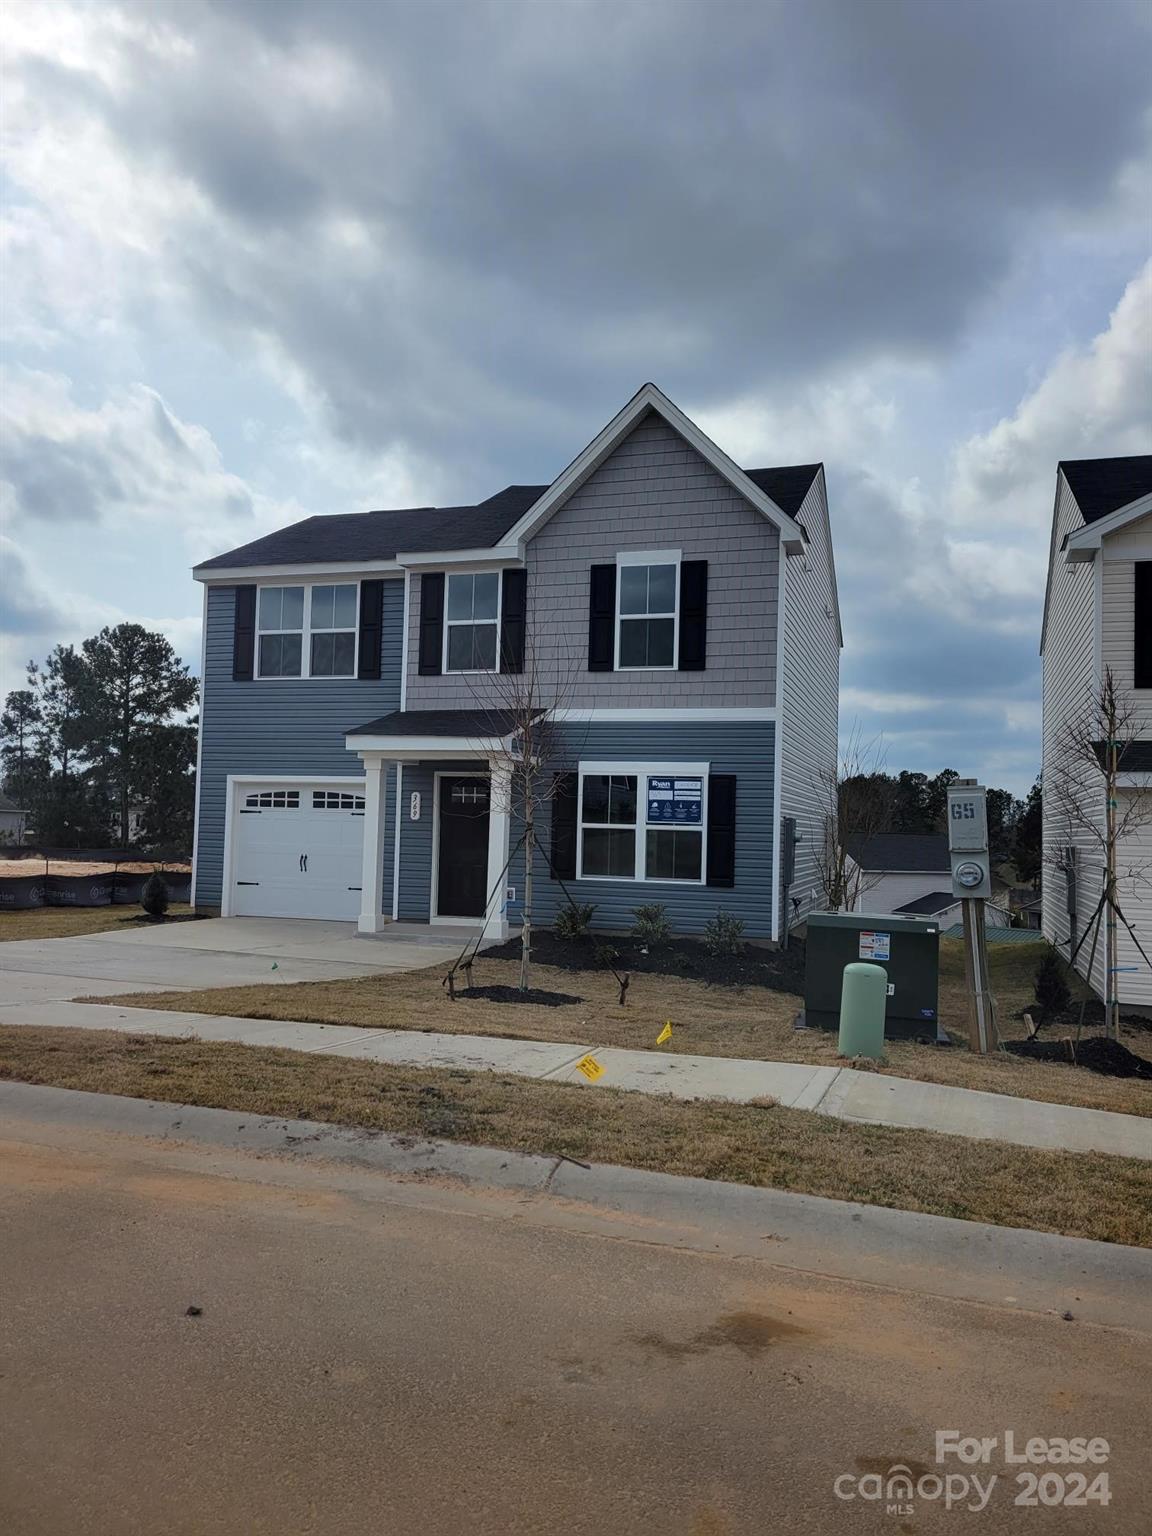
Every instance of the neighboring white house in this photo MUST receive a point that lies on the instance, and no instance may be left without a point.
(891, 869)
(12, 821)
(1097, 614)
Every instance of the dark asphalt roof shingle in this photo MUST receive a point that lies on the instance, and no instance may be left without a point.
(476, 724)
(1101, 486)
(928, 906)
(382, 535)
(352, 536)
(787, 486)
(900, 852)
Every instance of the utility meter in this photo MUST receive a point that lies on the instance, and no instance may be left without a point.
(968, 839)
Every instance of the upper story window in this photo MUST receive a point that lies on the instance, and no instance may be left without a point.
(307, 626)
(646, 611)
(472, 621)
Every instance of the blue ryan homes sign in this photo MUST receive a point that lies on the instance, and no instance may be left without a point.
(678, 800)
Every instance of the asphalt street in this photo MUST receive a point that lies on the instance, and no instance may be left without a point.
(365, 1356)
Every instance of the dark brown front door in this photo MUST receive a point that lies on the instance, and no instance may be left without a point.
(462, 862)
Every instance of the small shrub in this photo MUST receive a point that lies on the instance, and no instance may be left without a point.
(154, 896)
(1052, 992)
(573, 922)
(651, 925)
(724, 934)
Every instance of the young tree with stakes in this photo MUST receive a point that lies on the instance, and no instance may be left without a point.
(522, 706)
(1098, 812)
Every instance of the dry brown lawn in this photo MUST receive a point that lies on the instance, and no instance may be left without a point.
(75, 922)
(706, 1020)
(1107, 1198)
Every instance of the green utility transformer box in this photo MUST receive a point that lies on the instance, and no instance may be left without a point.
(907, 947)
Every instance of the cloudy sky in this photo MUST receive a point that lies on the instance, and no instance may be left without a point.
(264, 258)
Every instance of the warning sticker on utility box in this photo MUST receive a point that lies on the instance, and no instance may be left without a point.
(875, 946)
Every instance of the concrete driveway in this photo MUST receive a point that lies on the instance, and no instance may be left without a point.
(215, 952)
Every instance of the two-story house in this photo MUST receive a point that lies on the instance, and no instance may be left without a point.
(677, 616)
(1097, 615)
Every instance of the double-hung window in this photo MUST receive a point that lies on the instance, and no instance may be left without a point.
(281, 624)
(307, 631)
(332, 627)
(646, 611)
(472, 621)
(645, 825)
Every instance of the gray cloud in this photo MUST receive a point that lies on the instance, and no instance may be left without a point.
(740, 195)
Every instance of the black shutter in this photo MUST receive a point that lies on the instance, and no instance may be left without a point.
(431, 623)
(371, 629)
(722, 829)
(602, 619)
(565, 794)
(244, 635)
(1142, 626)
(693, 614)
(513, 617)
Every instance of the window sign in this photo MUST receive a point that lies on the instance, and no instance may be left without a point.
(675, 800)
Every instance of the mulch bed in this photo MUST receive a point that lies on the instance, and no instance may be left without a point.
(1097, 1053)
(514, 995)
(780, 970)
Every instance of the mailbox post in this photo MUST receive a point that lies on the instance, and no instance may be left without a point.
(972, 882)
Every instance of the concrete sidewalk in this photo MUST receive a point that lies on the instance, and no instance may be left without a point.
(863, 1098)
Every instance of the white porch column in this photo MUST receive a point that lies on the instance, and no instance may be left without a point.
(499, 821)
(372, 919)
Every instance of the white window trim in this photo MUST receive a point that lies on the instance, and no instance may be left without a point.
(641, 772)
(445, 669)
(305, 675)
(649, 557)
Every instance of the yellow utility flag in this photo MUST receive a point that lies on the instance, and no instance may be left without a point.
(665, 1033)
(590, 1067)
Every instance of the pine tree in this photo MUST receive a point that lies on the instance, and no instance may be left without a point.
(132, 684)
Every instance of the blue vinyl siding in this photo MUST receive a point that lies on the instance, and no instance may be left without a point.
(283, 726)
(743, 748)
(416, 836)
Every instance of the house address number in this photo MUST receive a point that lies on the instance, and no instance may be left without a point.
(414, 806)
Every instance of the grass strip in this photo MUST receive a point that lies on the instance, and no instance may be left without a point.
(1079, 1195)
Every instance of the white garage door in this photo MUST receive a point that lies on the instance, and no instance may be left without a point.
(298, 851)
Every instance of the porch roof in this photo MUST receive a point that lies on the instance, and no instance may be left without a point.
(436, 732)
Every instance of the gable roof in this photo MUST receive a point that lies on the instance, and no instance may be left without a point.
(649, 398)
(517, 511)
(900, 852)
(1103, 486)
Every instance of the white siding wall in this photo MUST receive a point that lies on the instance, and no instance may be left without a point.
(885, 893)
(1118, 578)
(1135, 893)
(810, 688)
(1069, 676)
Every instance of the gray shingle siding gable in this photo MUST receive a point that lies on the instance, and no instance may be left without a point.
(281, 726)
(652, 492)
